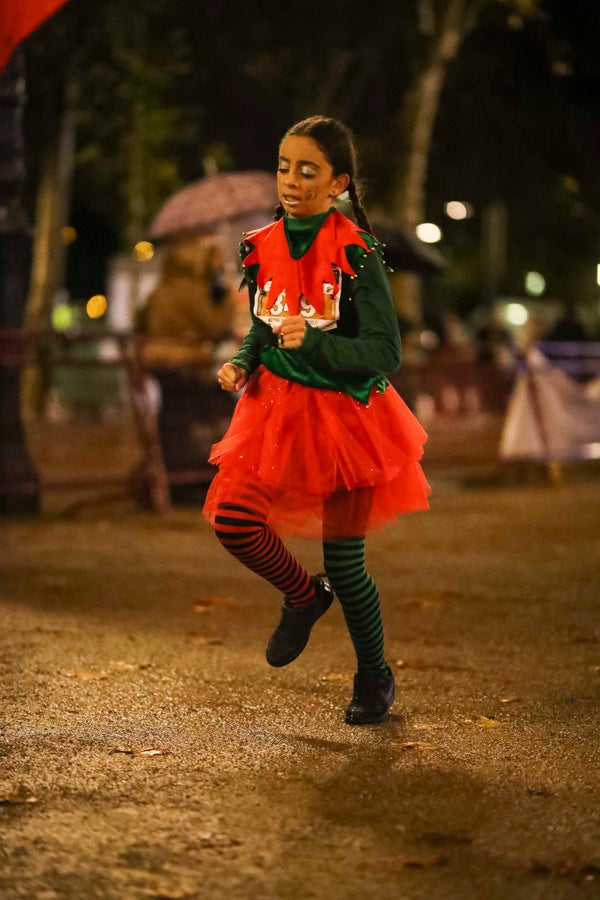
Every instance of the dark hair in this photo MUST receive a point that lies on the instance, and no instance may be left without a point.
(336, 143)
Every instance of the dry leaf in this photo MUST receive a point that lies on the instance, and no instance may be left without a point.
(426, 861)
(484, 722)
(337, 676)
(211, 601)
(17, 796)
(414, 745)
(205, 641)
(126, 750)
(411, 664)
(425, 726)
(422, 665)
(508, 699)
(151, 751)
(87, 676)
(539, 791)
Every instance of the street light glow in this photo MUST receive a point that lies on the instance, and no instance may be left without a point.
(457, 210)
(96, 306)
(428, 233)
(535, 284)
(62, 317)
(516, 314)
(68, 235)
(143, 251)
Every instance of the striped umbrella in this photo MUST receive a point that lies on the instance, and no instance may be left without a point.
(214, 199)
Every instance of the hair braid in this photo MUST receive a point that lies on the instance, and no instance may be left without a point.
(360, 215)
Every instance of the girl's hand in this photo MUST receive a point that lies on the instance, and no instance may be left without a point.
(291, 332)
(232, 378)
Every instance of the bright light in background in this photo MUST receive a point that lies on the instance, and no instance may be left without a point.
(428, 233)
(535, 284)
(62, 317)
(143, 251)
(458, 210)
(516, 314)
(68, 235)
(429, 340)
(598, 274)
(96, 306)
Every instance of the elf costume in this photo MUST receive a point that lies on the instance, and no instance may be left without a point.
(320, 439)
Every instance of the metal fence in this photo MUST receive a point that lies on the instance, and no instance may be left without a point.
(102, 410)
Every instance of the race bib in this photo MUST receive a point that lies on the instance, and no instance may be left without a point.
(274, 313)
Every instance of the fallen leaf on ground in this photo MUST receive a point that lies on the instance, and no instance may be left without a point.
(427, 861)
(17, 795)
(205, 641)
(337, 676)
(215, 841)
(573, 870)
(119, 666)
(87, 676)
(151, 751)
(422, 665)
(539, 790)
(508, 699)
(212, 601)
(426, 726)
(484, 722)
(414, 745)
(127, 750)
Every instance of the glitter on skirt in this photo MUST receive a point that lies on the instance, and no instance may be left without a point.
(322, 464)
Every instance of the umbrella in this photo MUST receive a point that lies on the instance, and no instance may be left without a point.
(18, 18)
(213, 199)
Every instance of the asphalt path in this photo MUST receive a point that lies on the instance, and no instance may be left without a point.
(148, 750)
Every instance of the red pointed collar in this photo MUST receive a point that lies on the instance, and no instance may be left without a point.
(304, 276)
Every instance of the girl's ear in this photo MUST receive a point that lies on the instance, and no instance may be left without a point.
(339, 185)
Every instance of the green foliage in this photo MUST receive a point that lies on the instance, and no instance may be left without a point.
(129, 60)
(164, 86)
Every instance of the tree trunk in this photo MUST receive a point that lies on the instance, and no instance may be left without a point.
(48, 265)
(53, 205)
(416, 130)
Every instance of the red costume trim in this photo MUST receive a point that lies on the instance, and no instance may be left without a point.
(304, 276)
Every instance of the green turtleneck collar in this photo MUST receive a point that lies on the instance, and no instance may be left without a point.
(300, 233)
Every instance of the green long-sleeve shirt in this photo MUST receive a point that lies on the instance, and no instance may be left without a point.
(360, 352)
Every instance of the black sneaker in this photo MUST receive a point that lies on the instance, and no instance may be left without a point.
(291, 635)
(372, 698)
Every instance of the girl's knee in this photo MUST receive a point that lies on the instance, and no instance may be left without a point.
(236, 525)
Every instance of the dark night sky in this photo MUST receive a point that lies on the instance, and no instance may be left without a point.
(519, 117)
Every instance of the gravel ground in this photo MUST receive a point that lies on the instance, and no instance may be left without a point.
(149, 751)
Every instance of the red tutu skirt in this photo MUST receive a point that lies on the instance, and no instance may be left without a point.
(319, 463)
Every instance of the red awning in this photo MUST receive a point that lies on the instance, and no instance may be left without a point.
(18, 18)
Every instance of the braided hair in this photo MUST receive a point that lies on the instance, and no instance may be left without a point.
(336, 143)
